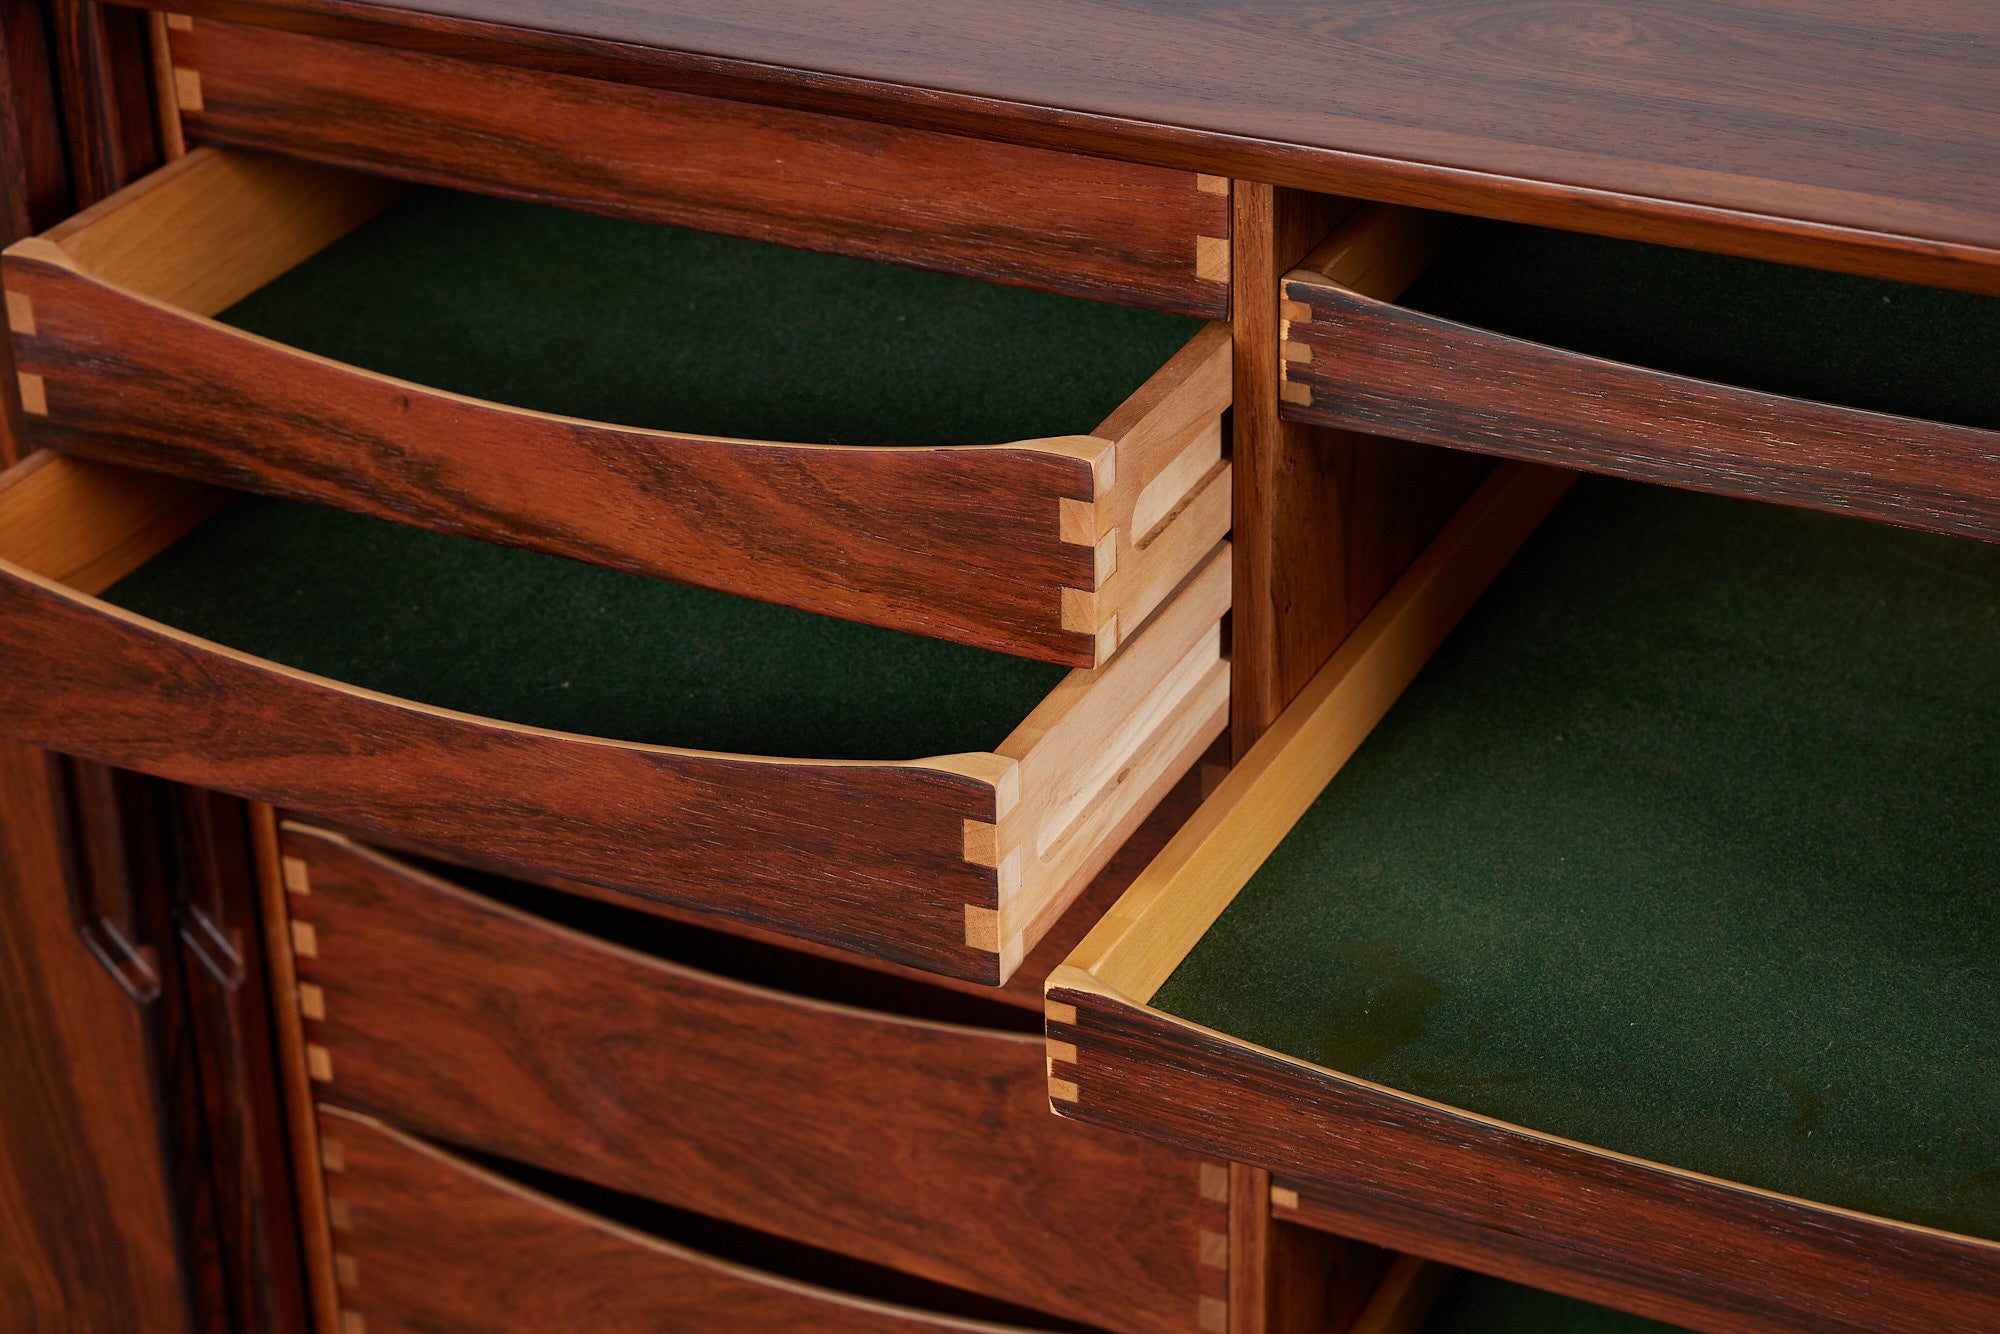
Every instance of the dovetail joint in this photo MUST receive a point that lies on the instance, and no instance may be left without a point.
(1062, 1090)
(298, 879)
(1291, 391)
(1211, 185)
(319, 1063)
(34, 394)
(187, 89)
(332, 1155)
(21, 313)
(1059, 1013)
(352, 1323)
(1211, 259)
(312, 1000)
(305, 940)
(346, 1271)
(1214, 1178)
(1284, 1198)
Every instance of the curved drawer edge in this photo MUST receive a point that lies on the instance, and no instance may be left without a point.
(976, 543)
(1361, 364)
(869, 856)
(422, 1236)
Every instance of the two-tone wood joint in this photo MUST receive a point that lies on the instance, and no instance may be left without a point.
(21, 320)
(1060, 1027)
(1211, 253)
(1082, 523)
(1212, 1248)
(1291, 353)
(187, 82)
(311, 996)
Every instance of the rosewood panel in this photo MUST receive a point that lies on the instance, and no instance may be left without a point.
(1828, 132)
(1095, 227)
(922, 1146)
(429, 1242)
(1368, 365)
(963, 544)
(1419, 1177)
(867, 856)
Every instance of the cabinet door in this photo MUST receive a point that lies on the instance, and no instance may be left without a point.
(86, 1218)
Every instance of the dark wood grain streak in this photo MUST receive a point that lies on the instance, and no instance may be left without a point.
(437, 1243)
(87, 1222)
(104, 79)
(1419, 1177)
(1837, 134)
(866, 856)
(1378, 367)
(1093, 227)
(962, 544)
(925, 1147)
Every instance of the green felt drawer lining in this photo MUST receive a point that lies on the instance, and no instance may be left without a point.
(1476, 1304)
(1684, 845)
(611, 320)
(1833, 337)
(548, 642)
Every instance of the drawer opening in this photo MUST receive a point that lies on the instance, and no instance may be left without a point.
(506, 633)
(1744, 377)
(735, 1244)
(930, 452)
(423, 1226)
(755, 963)
(1860, 342)
(1681, 847)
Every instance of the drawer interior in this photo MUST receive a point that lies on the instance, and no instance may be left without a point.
(652, 326)
(1831, 337)
(1681, 846)
(540, 640)
(1475, 1304)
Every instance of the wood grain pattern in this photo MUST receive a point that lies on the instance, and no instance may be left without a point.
(1053, 549)
(107, 108)
(926, 1147)
(1376, 367)
(1371, 1163)
(1092, 227)
(1324, 520)
(873, 857)
(1826, 132)
(434, 1242)
(87, 1220)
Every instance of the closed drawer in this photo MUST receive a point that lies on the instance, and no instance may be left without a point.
(1646, 949)
(1119, 231)
(425, 1240)
(1738, 376)
(920, 1145)
(1019, 470)
(954, 863)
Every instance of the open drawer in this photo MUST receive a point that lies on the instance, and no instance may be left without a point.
(683, 1077)
(1004, 467)
(1648, 949)
(1739, 376)
(957, 800)
(426, 1240)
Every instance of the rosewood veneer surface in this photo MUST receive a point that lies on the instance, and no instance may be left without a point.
(1841, 134)
(1850, 394)
(921, 1145)
(428, 1241)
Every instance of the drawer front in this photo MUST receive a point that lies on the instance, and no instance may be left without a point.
(1053, 549)
(1359, 363)
(1094, 227)
(924, 1147)
(425, 1241)
(955, 864)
